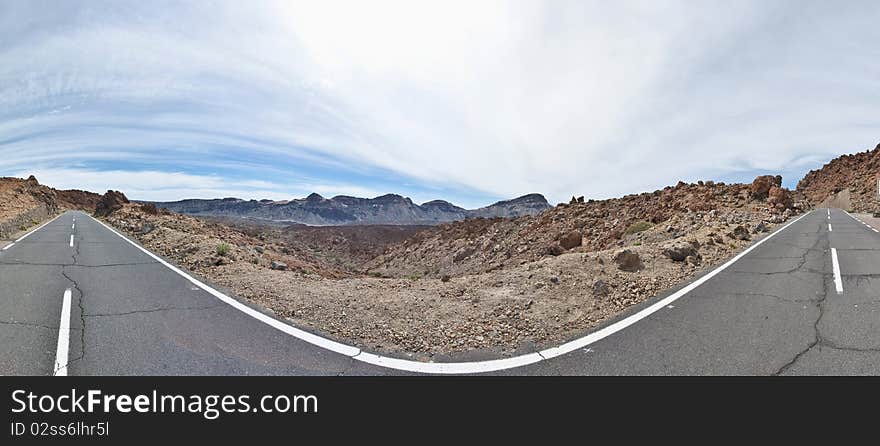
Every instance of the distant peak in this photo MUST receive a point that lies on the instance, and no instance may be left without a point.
(314, 196)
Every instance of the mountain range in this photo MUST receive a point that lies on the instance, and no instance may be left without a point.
(389, 209)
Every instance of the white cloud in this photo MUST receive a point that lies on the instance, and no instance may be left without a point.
(579, 97)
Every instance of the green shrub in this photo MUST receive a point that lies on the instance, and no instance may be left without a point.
(637, 227)
(223, 249)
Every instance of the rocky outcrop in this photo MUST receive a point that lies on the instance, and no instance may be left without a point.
(112, 201)
(848, 181)
(779, 198)
(78, 199)
(24, 203)
(387, 209)
(761, 185)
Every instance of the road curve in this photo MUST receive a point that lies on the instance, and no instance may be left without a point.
(797, 302)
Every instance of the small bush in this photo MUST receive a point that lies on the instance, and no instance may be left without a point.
(223, 249)
(637, 227)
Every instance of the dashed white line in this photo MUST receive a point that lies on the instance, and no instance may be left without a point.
(71, 240)
(829, 227)
(838, 282)
(63, 337)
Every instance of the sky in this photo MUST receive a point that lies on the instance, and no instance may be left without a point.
(471, 102)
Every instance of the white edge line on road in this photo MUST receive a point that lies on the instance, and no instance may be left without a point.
(28, 234)
(857, 219)
(838, 282)
(37, 229)
(63, 337)
(289, 329)
(454, 367)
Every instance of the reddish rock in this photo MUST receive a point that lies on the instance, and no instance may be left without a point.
(112, 201)
(779, 198)
(571, 240)
(760, 187)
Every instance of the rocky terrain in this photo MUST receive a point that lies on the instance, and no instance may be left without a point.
(388, 209)
(647, 219)
(496, 285)
(848, 182)
(24, 203)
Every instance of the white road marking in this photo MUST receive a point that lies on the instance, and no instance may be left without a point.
(838, 282)
(37, 229)
(71, 240)
(73, 226)
(829, 227)
(8, 246)
(454, 367)
(63, 337)
(860, 221)
(337, 347)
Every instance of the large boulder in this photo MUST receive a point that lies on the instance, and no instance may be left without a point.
(679, 250)
(779, 198)
(760, 187)
(111, 202)
(740, 233)
(571, 240)
(627, 260)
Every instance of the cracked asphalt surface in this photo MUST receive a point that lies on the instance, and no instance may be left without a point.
(130, 315)
(773, 312)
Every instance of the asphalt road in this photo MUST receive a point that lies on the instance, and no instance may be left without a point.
(779, 309)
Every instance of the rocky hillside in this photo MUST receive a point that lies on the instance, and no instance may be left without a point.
(24, 203)
(388, 209)
(481, 245)
(78, 199)
(848, 182)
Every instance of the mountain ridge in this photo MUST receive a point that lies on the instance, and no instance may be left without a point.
(341, 210)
